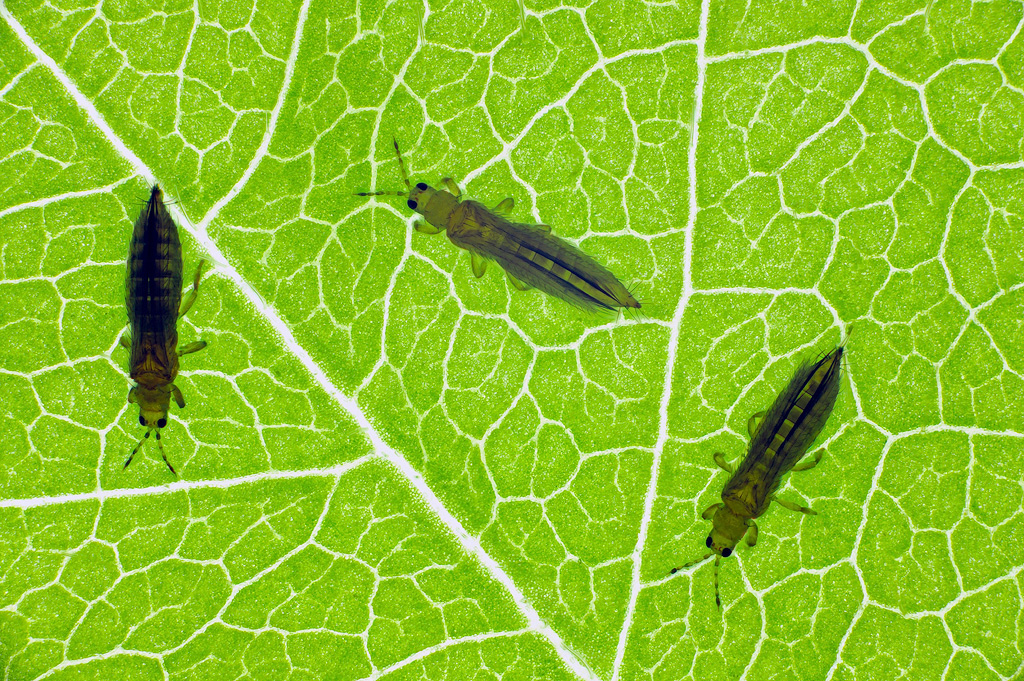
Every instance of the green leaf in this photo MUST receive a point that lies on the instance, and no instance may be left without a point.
(393, 469)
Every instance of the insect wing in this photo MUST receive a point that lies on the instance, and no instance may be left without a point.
(789, 427)
(153, 288)
(542, 260)
(150, 355)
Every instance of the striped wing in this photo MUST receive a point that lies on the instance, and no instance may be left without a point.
(154, 355)
(542, 260)
(153, 290)
(788, 428)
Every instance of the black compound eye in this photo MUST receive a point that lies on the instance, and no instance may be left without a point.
(412, 204)
(162, 423)
(708, 542)
(726, 553)
(142, 421)
(422, 186)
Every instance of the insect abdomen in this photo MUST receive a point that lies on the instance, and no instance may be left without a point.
(790, 426)
(541, 260)
(153, 289)
(805, 415)
(797, 416)
(575, 282)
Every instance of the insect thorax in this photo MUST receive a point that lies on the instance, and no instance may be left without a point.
(729, 525)
(153, 398)
(440, 210)
(746, 501)
(472, 222)
(156, 363)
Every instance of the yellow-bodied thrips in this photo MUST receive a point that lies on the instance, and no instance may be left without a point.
(153, 298)
(779, 438)
(531, 256)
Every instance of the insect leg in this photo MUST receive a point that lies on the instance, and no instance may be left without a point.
(722, 463)
(187, 303)
(810, 464)
(751, 537)
(450, 185)
(505, 207)
(132, 396)
(125, 341)
(192, 347)
(424, 227)
(752, 423)
(479, 264)
(793, 507)
(518, 284)
(179, 399)
(710, 510)
(544, 228)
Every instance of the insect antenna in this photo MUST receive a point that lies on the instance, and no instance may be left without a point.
(718, 559)
(161, 444)
(137, 447)
(381, 194)
(718, 599)
(401, 163)
(401, 166)
(692, 563)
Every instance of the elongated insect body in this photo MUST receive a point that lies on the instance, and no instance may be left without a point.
(154, 302)
(779, 438)
(531, 256)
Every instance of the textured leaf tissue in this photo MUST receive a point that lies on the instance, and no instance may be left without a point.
(514, 402)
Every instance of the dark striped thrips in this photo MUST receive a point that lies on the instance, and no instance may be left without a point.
(779, 438)
(152, 295)
(531, 255)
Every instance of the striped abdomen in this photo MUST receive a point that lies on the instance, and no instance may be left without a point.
(788, 428)
(538, 258)
(153, 293)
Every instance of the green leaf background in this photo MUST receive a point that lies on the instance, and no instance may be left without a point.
(392, 470)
